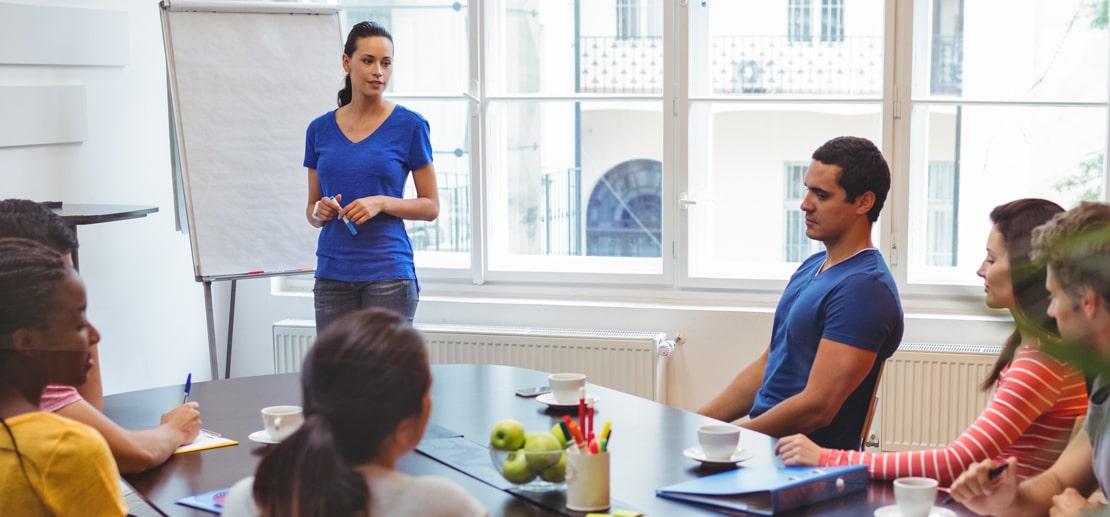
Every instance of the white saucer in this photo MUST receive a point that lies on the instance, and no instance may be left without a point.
(549, 399)
(738, 455)
(261, 437)
(892, 511)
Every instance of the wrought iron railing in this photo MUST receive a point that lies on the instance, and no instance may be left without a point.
(740, 65)
(450, 232)
(947, 65)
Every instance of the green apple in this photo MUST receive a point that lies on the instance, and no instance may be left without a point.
(556, 473)
(515, 468)
(539, 443)
(507, 435)
(557, 431)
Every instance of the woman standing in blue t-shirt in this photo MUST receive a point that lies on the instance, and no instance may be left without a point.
(358, 159)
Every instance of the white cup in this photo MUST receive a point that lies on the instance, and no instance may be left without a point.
(718, 441)
(587, 481)
(281, 421)
(915, 495)
(564, 386)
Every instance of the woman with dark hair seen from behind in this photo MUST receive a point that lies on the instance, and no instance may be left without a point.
(49, 465)
(358, 158)
(1036, 400)
(366, 386)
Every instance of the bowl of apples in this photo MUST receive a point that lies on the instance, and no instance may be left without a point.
(534, 462)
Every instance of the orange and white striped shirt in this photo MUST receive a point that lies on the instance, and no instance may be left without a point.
(1031, 415)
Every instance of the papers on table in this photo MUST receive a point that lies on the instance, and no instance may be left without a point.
(206, 440)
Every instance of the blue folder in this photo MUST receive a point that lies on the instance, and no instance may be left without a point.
(769, 490)
(208, 501)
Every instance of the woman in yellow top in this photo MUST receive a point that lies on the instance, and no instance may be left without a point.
(49, 464)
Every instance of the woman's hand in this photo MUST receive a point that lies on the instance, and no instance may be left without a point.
(364, 209)
(983, 495)
(798, 450)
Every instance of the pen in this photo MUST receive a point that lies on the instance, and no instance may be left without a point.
(991, 474)
(188, 386)
(605, 429)
(590, 420)
(350, 225)
(582, 409)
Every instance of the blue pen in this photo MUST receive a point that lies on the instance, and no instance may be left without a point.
(188, 386)
(350, 225)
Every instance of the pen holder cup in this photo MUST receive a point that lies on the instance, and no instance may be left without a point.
(532, 471)
(587, 481)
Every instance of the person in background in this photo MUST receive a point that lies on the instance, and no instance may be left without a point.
(49, 465)
(366, 387)
(838, 319)
(1075, 246)
(1037, 399)
(358, 158)
(134, 451)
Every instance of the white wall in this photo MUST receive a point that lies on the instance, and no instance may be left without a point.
(150, 310)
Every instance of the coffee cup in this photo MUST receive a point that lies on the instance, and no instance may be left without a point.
(281, 421)
(718, 441)
(565, 386)
(915, 495)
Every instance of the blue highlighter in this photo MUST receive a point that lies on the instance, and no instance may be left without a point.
(350, 225)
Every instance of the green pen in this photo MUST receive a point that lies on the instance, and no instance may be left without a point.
(603, 445)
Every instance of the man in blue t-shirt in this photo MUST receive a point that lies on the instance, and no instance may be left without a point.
(839, 318)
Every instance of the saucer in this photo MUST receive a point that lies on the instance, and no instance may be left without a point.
(261, 437)
(892, 511)
(549, 399)
(738, 455)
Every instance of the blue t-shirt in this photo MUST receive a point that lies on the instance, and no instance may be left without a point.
(854, 302)
(378, 165)
(1098, 429)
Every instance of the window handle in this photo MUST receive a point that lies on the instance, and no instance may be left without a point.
(685, 202)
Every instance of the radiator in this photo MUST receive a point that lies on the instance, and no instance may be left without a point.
(632, 362)
(929, 394)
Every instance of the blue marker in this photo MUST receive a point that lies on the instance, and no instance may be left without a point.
(350, 225)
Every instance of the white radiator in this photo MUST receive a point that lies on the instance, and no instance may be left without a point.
(929, 394)
(632, 362)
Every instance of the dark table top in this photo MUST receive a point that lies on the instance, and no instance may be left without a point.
(648, 440)
(75, 214)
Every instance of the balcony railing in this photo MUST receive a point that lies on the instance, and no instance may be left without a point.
(450, 232)
(947, 66)
(740, 65)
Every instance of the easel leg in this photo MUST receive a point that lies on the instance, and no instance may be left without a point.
(230, 330)
(211, 330)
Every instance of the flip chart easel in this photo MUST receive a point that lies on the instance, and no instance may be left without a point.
(245, 79)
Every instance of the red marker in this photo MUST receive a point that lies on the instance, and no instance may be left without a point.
(255, 272)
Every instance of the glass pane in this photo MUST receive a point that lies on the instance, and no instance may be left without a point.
(965, 160)
(450, 232)
(421, 64)
(1004, 49)
(787, 47)
(746, 165)
(544, 48)
(574, 179)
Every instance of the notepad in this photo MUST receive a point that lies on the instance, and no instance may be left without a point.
(206, 440)
(209, 501)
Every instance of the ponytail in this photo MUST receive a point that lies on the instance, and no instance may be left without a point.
(344, 96)
(309, 461)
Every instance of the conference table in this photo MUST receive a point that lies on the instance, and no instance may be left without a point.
(647, 445)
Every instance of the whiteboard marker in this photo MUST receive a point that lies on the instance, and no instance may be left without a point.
(350, 225)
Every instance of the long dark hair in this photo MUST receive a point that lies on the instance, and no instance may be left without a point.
(1015, 221)
(359, 31)
(367, 372)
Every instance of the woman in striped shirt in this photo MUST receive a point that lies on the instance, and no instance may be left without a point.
(1036, 398)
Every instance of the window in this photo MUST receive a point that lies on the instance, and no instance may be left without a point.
(617, 142)
(798, 246)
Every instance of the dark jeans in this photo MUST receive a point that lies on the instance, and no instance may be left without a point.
(334, 298)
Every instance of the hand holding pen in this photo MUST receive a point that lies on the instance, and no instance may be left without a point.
(186, 417)
(984, 489)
